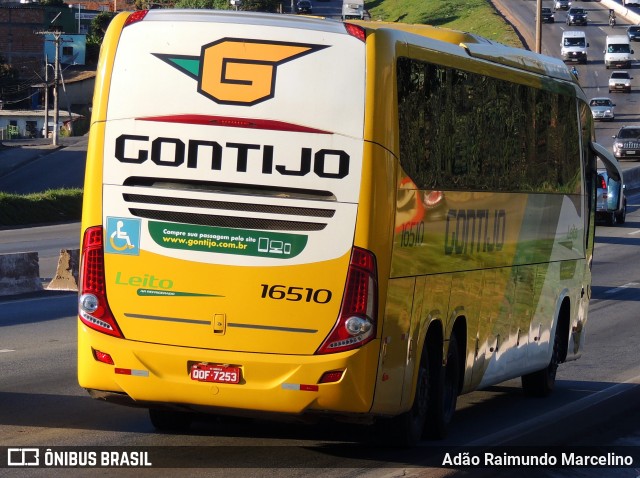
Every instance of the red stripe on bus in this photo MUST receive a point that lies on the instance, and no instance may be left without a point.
(234, 123)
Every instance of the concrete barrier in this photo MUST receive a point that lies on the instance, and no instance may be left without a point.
(19, 273)
(66, 277)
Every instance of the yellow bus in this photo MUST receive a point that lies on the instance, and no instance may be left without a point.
(300, 217)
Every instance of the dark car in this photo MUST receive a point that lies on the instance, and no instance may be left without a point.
(626, 144)
(577, 16)
(633, 32)
(547, 15)
(303, 6)
(611, 201)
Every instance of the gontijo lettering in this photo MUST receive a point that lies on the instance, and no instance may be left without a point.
(173, 152)
(474, 230)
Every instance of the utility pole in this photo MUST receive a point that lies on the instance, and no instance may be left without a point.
(56, 68)
(46, 96)
(538, 26)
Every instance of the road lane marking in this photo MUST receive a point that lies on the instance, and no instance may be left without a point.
(622, 287)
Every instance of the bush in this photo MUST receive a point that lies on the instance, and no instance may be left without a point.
(59, 205)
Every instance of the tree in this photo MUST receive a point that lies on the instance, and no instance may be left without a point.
(96, 33)
(100, 23)
(8, 74)
(207, 4)
(8, 80)
(260, 5)
(145, 4)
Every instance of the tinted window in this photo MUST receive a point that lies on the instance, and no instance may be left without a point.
(461, 130)
(629, 133)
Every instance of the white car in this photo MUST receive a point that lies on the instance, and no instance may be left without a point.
(602, 109)
(562, 4)
(630, 2)
(620, 81)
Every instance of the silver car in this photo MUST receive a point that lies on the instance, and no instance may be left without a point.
(602, 109)
(562, 4)
(611, 201)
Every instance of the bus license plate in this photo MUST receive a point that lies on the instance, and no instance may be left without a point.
(207, 372)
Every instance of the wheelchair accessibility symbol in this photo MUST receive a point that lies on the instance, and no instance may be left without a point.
(123, 236)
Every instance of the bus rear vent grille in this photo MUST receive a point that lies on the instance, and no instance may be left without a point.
(227, 221)
(229, 206)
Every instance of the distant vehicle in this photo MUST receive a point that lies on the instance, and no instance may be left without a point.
(617, 52)
(620, 81)
(304, 6)
(577, 16)
(573, 46)
(547, 15)
(611, 200)
(353, 10)
(50, 127)
(626, 144)
(575, 72)
(633, 33)
(602, 108)
(562, 4)
(630, 2)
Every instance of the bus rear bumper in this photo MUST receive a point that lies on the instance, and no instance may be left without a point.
(151, 375)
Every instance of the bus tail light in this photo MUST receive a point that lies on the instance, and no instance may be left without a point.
(356, 31)
(357, 322)
(93, 308)
(135, 17)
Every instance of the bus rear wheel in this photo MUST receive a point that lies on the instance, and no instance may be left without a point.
(542, 382)
(169, 420)
(444, 394)
(435, 399)
(406, 430)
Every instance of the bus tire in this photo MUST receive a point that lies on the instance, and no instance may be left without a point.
(542, 382)
(444, 393)
(406, 430)
(621, 217)
(169, 420)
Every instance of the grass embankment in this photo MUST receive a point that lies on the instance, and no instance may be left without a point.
(475, 16)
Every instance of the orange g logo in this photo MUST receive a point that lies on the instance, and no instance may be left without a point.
(236, 71)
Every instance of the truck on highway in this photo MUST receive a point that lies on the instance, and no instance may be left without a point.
(353, 9)
(617, 52)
